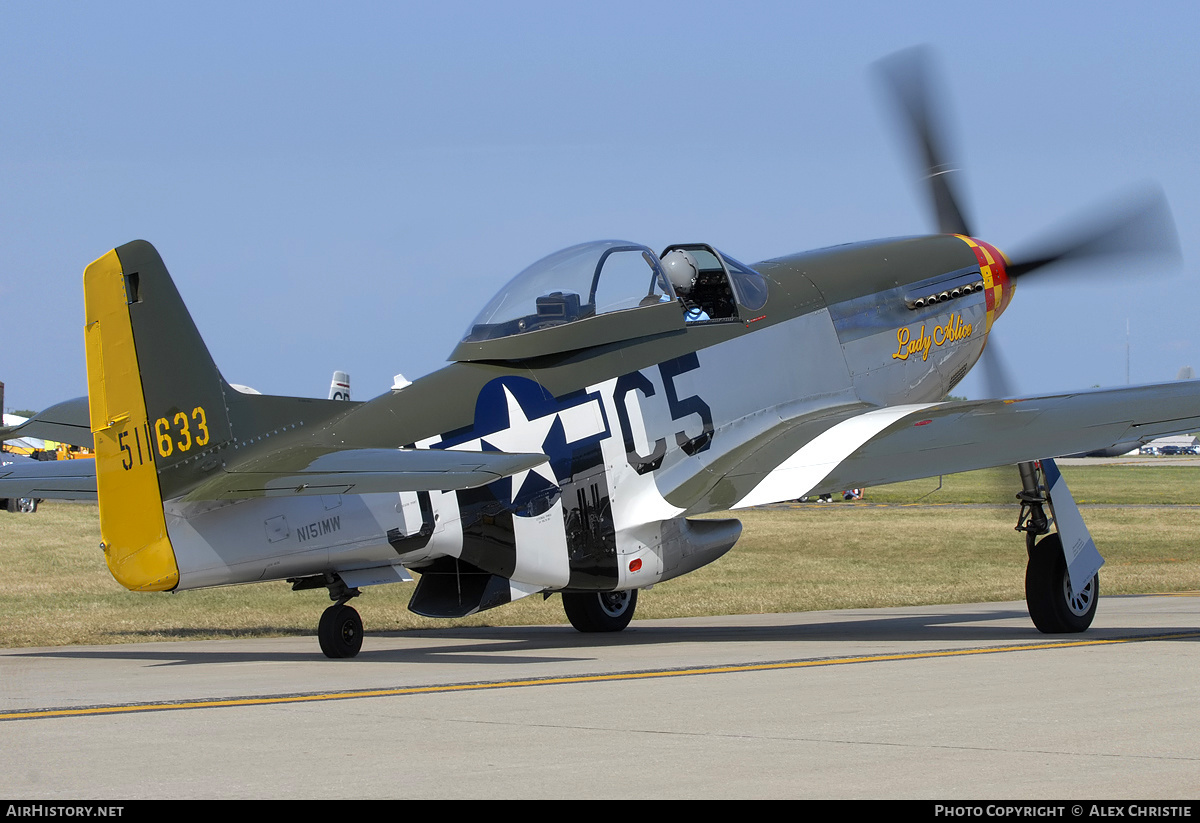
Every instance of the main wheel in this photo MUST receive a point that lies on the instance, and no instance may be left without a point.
(1054, 606)
(340, 632)
(600, 611)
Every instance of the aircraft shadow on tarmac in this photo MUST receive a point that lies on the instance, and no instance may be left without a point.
(513, 645)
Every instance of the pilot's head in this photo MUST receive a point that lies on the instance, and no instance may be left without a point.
(681, 270)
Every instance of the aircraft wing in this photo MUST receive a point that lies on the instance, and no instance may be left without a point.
(54, 479)
(65, 422)
(892, 444)
(310, 470)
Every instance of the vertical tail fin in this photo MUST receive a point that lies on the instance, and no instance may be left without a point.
(157, 405)
(163, 417)
(339, 389)
(132, 524)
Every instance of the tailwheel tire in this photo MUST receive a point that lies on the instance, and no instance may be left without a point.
(1054, 606)
(340, 632)
(600, 611)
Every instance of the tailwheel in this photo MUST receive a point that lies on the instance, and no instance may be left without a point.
(340, 631)
(600, 611)
(1054, 606)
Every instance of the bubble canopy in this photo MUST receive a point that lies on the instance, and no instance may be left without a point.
(582, 281)
(603, 277)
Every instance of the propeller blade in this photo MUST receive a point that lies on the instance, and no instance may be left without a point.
(997, 377)
(1003, 481)
(908, 79)
(1139, 225)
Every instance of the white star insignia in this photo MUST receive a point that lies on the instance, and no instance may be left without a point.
(523, 436)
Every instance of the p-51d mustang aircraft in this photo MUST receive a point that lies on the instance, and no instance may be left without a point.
(605, 396)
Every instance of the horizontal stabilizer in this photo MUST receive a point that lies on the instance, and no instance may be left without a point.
(65, 422)
(302, 471)
(50, 479)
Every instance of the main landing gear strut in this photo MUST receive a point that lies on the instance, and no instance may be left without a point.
(1054, 604)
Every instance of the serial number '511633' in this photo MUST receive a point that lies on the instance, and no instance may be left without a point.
(182, 432)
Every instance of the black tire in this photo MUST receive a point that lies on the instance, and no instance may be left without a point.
(600, 611)
(340, 632)
(1053, 606)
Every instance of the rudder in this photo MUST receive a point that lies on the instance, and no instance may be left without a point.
(132, 523)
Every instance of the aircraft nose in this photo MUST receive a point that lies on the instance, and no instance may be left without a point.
(997, 286)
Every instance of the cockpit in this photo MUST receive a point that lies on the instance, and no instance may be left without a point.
(609, 276)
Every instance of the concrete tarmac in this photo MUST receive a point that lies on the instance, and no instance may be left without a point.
(939, 702)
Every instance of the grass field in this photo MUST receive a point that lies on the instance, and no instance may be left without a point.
(886, 550)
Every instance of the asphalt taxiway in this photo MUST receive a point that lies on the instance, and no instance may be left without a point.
(940, 702)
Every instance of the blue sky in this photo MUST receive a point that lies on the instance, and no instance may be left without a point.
(344, 186)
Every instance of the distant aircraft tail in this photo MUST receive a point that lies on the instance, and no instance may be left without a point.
(163, 417)
(339, 389)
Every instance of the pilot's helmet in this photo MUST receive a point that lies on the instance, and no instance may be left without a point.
(681, 270)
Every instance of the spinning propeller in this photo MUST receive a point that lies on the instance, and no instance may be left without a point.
(1139, 225)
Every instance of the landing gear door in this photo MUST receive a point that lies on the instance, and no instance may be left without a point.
(1083, 559)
